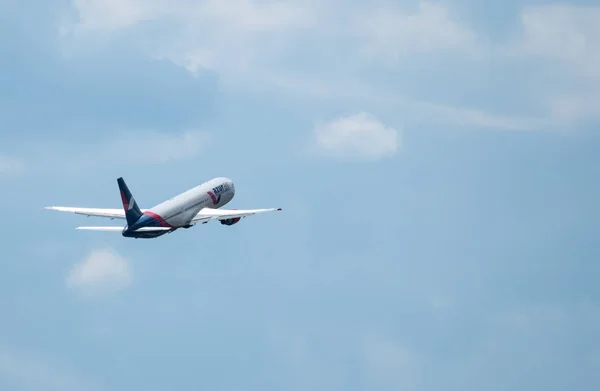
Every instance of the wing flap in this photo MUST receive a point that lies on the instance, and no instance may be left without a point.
(112, 213)
(208, 214)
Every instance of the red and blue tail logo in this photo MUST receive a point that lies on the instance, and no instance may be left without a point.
(128, 203)
(132, 211)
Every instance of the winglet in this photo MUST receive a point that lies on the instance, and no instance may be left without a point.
(132, 211)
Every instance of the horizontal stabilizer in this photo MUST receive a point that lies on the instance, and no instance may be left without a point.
(143, 229)
(101, 228)
(152, 229)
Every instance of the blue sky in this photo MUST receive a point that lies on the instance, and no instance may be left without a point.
(436, 163)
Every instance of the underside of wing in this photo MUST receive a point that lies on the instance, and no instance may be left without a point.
(208, 214)
(112, 213)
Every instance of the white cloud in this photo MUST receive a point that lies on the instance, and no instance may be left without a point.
(114, 14)
(360, 135)
(107, 15)
(237, 37)
(472, 117)
(426, 112)
(564, 42)
(248, 42)
(569, 34)
(223, 35)
(102, 271)
(256, 44)
(392, 34)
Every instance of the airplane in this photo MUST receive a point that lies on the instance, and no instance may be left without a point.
(200, 204)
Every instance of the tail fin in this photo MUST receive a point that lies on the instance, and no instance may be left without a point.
(132, 211)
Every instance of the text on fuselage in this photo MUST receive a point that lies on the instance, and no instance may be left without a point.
(221, 188)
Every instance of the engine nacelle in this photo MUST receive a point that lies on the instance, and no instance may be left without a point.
(230, 221)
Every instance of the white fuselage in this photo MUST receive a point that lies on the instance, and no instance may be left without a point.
(181, 209)
(178, 211)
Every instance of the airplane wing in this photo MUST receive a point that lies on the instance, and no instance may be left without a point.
(100, 212)
(208, 214)
(143, 229)
(120, 229)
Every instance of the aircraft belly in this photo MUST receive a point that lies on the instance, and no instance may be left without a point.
(180, 212)
(183, 218)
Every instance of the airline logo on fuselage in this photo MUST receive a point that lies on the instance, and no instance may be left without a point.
(220, 188)
(215, 194)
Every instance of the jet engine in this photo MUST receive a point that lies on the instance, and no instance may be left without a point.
(230, 221)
